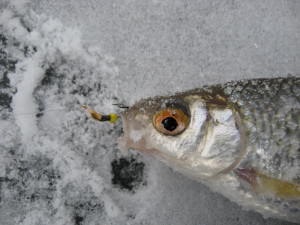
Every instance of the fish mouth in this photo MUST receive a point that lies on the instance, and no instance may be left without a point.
(133, 134)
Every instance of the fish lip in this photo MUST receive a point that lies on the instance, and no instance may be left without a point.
(123, 140)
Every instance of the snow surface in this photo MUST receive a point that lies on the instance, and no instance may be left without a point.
(55, 164)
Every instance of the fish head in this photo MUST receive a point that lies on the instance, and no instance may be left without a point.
(198, 134)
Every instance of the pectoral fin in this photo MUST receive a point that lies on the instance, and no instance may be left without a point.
(264, 184)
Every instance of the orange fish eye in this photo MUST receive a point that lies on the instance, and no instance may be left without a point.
(170, 121)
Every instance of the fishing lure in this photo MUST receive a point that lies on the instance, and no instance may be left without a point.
(112, 117)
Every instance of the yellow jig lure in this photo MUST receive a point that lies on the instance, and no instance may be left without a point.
(112, 117)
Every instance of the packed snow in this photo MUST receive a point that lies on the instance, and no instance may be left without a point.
(59, 167)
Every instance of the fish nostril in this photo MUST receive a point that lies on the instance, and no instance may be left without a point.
(169, 123)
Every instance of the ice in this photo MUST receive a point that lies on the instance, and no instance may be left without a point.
(56, 165)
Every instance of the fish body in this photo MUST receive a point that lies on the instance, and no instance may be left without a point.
(241, 138)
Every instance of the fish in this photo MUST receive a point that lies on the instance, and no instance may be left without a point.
(240, 138)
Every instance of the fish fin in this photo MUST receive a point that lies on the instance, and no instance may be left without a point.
(248, 175)
(264, 184)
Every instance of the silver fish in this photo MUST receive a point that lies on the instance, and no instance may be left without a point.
(241, 138)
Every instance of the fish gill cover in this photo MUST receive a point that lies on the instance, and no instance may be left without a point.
(57, 167)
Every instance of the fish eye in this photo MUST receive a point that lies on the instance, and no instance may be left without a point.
(170, 121)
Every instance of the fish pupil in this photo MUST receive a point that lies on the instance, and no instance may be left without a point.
(169, 123)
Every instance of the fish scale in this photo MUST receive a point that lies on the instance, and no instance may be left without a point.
(272, 114)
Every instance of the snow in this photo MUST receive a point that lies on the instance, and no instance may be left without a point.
(56, 164)
(23, 100)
